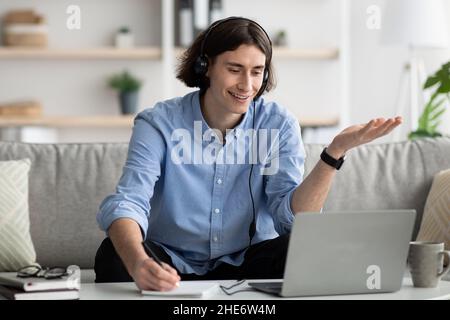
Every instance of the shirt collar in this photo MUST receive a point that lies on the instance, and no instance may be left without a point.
(244, 124)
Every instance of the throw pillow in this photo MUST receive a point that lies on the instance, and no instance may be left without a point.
(436, 215)
(16, 247)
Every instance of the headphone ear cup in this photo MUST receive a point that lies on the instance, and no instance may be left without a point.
(265, 79)
(201, 65)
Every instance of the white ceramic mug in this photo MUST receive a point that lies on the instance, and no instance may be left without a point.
(426, 260)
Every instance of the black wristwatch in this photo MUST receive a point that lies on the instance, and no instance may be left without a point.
(332, 161)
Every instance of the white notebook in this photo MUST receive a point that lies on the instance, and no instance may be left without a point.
(190, 289)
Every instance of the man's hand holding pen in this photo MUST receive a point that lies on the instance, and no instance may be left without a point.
(150, 273)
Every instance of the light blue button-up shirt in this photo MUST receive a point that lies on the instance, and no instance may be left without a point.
(189, 191)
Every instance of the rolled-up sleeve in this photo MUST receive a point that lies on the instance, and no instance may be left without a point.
(139, 176)
(280, 187)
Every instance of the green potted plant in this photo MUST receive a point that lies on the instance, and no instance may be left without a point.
(430, 118)
(124, 38)
(280, 38)
(128, 88)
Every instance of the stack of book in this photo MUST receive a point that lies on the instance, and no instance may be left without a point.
(21, 109)
(15, 288)
(25, 28)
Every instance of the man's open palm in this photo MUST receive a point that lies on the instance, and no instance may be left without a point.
(363, 133)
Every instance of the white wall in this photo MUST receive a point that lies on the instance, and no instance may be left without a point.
(377, 69)
(308, 88)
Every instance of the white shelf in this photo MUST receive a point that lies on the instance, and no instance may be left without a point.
(295, 53)
(306, 53)
(148, 53)
(120, 121)
(87, 53)
(100, 121)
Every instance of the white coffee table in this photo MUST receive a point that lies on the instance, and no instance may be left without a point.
(129, 291)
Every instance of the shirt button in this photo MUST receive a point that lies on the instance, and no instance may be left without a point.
(215, 239)
(217, 210)
(219, 181)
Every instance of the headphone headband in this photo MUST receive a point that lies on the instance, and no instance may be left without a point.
(219, 22)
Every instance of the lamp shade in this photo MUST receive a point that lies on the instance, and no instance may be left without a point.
(415, 23)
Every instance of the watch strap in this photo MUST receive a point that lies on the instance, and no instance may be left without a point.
(335, 163)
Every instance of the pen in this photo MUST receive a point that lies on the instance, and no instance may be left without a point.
(151, 254)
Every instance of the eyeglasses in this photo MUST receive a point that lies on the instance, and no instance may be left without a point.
(238, 282)
(35, 271)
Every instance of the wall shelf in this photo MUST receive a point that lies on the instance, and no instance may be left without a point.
(98, 121)
(147, 53)
(295, 53)
(315, 122)
(306, 53)
(112, 121)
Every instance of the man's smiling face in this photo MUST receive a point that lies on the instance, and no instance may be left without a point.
(235, 78)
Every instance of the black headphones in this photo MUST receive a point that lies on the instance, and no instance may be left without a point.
(201, 63)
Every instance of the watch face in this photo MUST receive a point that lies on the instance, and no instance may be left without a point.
(340, 162)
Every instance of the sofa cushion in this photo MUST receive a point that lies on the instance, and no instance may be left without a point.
(436, 217)
(67, 184)
(16, 246)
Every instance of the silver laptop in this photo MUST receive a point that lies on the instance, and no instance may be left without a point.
(345, 253)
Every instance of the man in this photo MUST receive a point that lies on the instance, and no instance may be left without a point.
(185, 189)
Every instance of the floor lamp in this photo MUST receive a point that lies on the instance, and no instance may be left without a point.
(416, 25)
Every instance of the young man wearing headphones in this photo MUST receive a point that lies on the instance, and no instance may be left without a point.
(216, 219)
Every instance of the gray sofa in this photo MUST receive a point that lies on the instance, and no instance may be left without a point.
(68, 182)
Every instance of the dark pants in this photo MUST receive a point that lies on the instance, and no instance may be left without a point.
(264, 260)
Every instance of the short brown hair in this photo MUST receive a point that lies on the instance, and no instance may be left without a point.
(225, 36)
